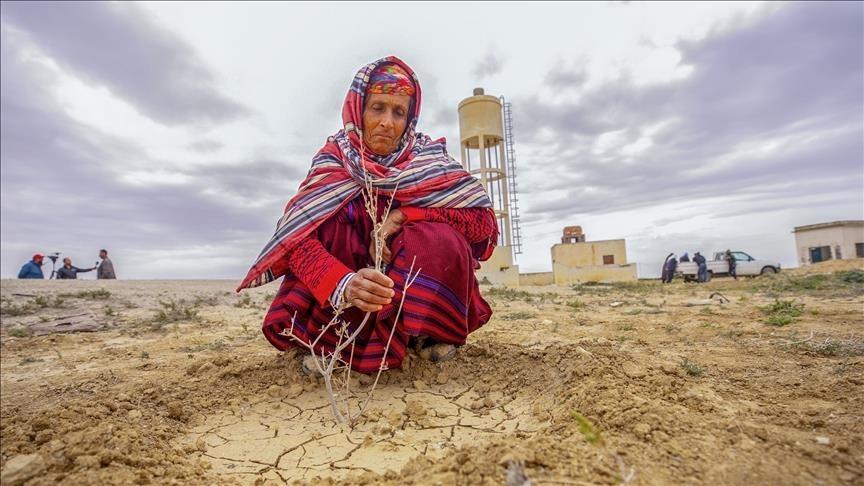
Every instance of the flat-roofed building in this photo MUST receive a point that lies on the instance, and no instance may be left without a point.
(837, 240)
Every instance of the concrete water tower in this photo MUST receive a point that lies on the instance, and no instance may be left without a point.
(487, 153)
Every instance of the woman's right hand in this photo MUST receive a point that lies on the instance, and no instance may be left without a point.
(369, 290)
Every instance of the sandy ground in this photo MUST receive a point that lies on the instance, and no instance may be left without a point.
(172, 383)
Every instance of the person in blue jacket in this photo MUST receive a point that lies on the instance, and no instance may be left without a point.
(33, 268)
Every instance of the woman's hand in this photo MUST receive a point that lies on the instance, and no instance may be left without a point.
(391, 226)
(369, 290)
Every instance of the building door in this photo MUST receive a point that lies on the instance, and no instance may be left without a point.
(820, 254)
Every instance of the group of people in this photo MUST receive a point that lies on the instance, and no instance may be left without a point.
(671, 265)
(33, 268)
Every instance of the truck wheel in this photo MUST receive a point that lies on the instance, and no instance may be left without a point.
(768, 270)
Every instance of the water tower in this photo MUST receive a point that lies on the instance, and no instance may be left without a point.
(485, 133)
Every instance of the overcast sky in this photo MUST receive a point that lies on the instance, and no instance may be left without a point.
(172, 133)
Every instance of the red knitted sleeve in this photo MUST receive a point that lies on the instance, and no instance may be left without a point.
(478, 225)
(316, 268)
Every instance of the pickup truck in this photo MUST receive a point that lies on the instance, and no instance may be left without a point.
(745, 265)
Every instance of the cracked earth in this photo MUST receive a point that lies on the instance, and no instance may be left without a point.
(619, 384)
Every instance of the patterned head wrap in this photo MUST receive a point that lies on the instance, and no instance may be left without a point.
(390, 79)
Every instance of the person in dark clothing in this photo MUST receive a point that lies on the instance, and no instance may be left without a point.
(33, 268)
(67, 271)
(684, 258)
(664, 270)
(671, 266)
(702, 272)
(730, 259)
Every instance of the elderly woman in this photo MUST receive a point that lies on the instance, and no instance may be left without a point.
(440, 216)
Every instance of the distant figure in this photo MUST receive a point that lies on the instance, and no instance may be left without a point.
(684, 258)
(105, 270)
(664, 270)
(33, 268)
(730, 259)
(671, 266)
(67, 271)
(702, 272)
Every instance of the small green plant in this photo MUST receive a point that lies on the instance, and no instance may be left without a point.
(855, 276)
(587, 429)
(707, 311)
(93, 294)
(20, 331)
(108, 311)
(626, 327)
(518, 316)
(30, 359)
(244, 302)
(782, 312)
(576, 304)
(173, 311)
(692, 368)
(216, 345)
(145, 355)
(9, 308)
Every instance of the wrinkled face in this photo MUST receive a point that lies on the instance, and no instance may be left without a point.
(67, 262)
(384, 120)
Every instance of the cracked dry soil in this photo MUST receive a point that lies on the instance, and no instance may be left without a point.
(669, 392)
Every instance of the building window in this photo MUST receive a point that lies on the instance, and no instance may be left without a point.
(859, 250)
(608, 259)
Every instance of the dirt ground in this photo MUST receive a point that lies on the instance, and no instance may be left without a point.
(171, 382)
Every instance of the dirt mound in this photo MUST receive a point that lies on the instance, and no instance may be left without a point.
(830, 266)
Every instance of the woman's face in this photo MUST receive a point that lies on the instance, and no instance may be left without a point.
(384, 119)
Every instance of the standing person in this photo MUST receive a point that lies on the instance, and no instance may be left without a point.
(702, 272)
(670, 267)
(664, 270)
(105, 270)
(323, 245)
(730, 259)
(33, 268)
(67, 271)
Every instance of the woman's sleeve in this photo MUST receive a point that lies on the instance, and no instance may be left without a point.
(477, 225)
(320, 271)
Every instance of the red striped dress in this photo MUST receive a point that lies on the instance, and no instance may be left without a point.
(444, 302)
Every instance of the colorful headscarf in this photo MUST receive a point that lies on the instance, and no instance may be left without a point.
(420, 172)
(390, 79)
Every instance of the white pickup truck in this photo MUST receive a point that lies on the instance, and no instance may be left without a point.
(744, 265)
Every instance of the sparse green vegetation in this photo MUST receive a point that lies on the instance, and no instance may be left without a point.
(844, 282)
(108, 311)
(95, 294)
(576, 304)
(692, 368)
(782, 312)
(518, 316)
(587, 429)
(626, 327)
(145, 355)
(30, 359)
(211, 346)
(20, 331)
(9, 308)
(245, 302)
(174, 311)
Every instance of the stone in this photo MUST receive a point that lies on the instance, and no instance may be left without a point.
(823, 440)
(22, 468)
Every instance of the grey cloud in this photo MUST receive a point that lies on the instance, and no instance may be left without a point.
(562, 77)
(794, 75)
(490, 65)
(149, 66)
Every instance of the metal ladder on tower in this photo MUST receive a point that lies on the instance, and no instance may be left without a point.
(510, 154)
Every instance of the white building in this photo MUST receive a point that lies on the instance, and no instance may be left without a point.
(838, 240)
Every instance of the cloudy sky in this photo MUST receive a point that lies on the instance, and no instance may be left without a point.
(173, 133)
